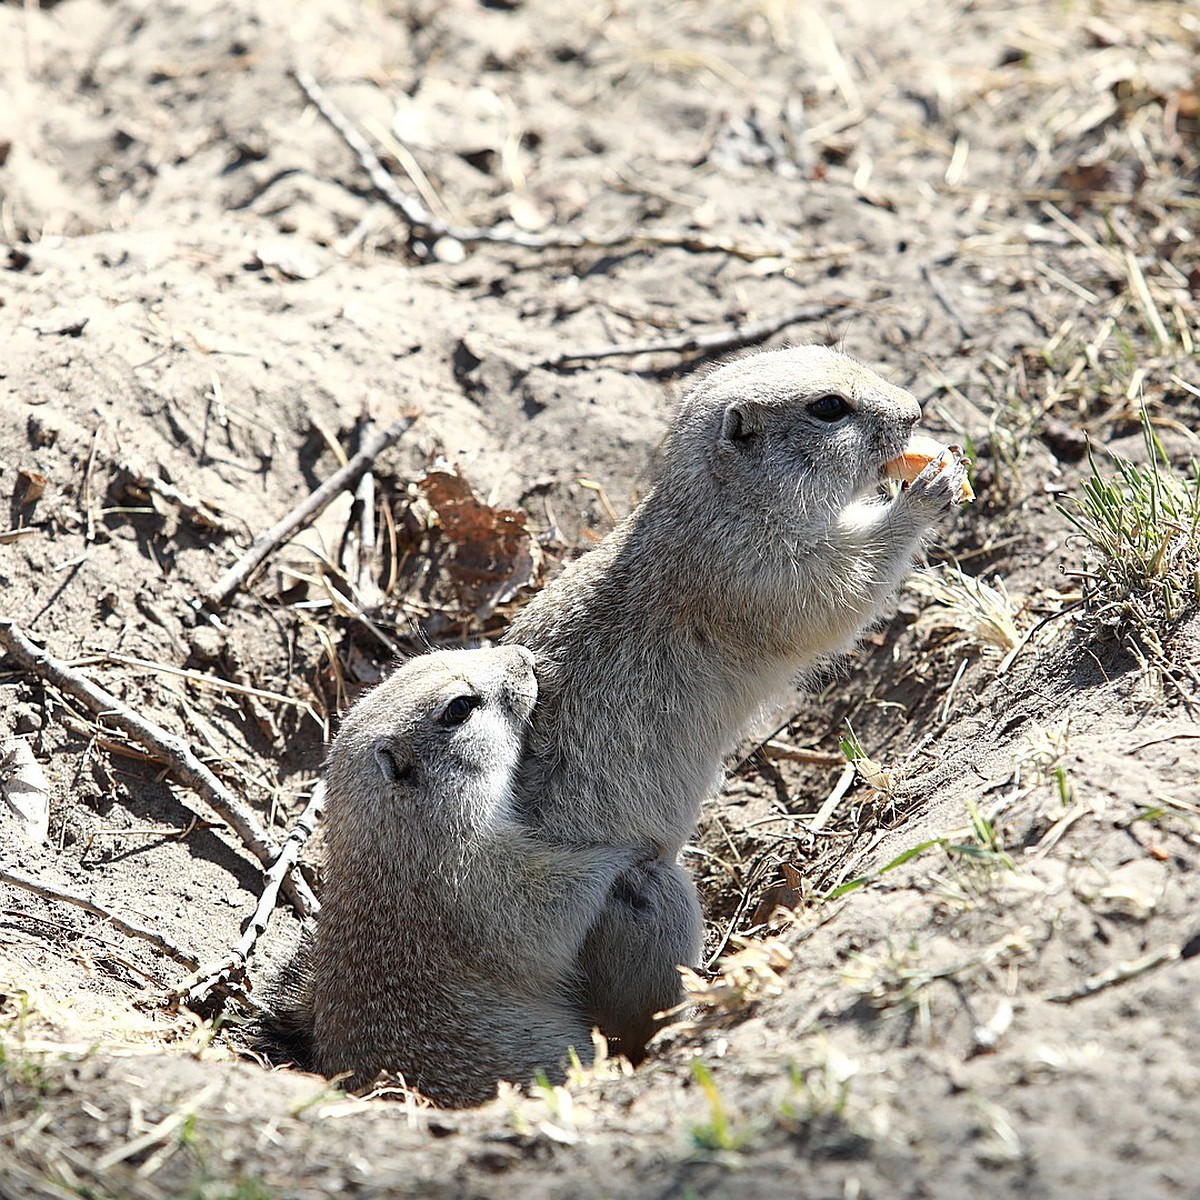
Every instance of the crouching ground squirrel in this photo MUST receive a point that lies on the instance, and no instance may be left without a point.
(765, 545)
(448, 942)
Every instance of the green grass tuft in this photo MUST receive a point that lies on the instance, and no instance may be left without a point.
(717, 1133)
(1142, 530)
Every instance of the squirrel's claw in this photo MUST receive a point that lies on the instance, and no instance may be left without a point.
(942, 484)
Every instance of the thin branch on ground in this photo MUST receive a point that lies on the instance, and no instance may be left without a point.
(711, 341)
(230, 969)
(1120, 973)
(943, 298)
(774, 749)
(168, 747)
(307, 510)
(130, 928)
(200, 679)
(86, 506)
(421, 219)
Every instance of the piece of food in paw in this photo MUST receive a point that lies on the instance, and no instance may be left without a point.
(917, 455)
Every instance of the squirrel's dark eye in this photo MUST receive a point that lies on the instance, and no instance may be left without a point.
(459, 709)
(828, 408)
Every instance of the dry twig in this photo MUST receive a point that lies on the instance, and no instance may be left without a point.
(1120, 973)
(825, 812)
(231, 968)
(168, 747)
(420, 218)
(86, 506)
(776, 750)
(943, 298)
(712, 341)
(129, 928)
(359, 552)
(374, 443)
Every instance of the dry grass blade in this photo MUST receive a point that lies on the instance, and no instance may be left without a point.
(750, 973)
(1141, 291)
(983, 613)
(342, 604)
(157, 1134)
(200, 679)
(48, 1168)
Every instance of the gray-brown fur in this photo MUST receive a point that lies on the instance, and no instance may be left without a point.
(650, 924)
(763, 548)
(448, 938)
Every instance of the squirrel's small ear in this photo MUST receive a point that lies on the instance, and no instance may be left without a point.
(738, 422)
(394, 767)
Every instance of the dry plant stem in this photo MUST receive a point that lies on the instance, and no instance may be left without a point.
(826, 811)
(159, 1135)
(197, 986)
(315, 503)
(168, 747)
(76, 1166)
(712, 341)
(943, 298)
(1121, 973)
(358, 558)
(368, 548)
(196, 512)
(85, 491)
(200, 679)
(776, 750)
(129, 928)
(419, 217)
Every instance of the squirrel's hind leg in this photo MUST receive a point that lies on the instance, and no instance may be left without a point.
(649, 927)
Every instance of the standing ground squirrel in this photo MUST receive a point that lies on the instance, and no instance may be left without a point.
(764, 546)
(448, 941)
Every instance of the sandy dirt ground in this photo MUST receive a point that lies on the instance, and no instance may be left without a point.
(972, 972)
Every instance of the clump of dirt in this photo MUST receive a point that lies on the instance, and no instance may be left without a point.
(208, 301)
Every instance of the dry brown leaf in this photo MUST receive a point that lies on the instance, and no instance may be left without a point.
(786, 893)
(492, 553)
(32, 485)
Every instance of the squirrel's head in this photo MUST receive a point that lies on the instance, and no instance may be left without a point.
(803, 430)
(440, 737)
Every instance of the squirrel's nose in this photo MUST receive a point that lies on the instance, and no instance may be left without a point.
(522, 652)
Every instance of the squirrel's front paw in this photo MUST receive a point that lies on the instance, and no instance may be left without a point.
(941, 485)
